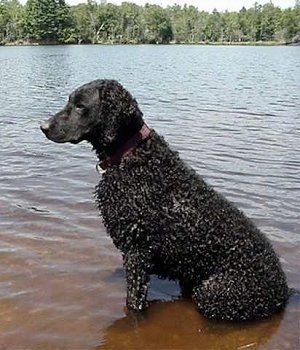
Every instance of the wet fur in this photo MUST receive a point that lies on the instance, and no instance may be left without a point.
(166, 220)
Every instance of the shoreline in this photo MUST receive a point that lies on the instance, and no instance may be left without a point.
(254, 43)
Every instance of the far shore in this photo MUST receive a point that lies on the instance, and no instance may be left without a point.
(223, 43)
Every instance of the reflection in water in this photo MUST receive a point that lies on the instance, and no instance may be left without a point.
(232, 112)
(178, 325)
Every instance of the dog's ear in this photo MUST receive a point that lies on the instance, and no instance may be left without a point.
(114, 97)
(119, 116)
(117, 106)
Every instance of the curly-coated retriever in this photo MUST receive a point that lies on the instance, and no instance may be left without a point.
(162, 215)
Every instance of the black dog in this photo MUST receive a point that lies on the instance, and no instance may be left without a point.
(163, 217)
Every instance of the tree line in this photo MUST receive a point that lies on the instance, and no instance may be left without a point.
(54, 22)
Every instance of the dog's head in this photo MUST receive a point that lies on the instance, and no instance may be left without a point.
(101, 112)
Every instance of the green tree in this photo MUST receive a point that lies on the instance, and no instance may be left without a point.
(47, 21)
(86, 22)
(158, 25)
(232, 29)
(186, 24)
(109, 20)
(270, 21)
(52, 21)
(4, 20)
(251, 24)
(11, 21)
(214, 27)
(64, 23)
(132, 28)
(291, 24)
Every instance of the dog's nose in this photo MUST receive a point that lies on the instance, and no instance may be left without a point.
(45, 126)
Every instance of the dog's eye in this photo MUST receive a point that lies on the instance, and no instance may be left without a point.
(79, 106)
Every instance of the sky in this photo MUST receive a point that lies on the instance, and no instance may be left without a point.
(206, 5)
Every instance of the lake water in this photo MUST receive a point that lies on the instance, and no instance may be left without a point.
(232, 112)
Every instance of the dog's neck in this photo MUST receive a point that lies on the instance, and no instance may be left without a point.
(115, 158)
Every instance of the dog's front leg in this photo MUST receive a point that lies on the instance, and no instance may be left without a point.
(136, 266)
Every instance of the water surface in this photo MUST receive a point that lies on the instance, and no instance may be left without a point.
(233, 114)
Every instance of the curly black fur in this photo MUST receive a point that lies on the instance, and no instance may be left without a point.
(165, 219)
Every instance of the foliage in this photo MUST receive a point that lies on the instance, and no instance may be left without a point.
(47, 21)
(11, 17)
(157, 25)
(52, 21)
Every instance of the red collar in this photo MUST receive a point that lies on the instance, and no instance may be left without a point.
(128, 147)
